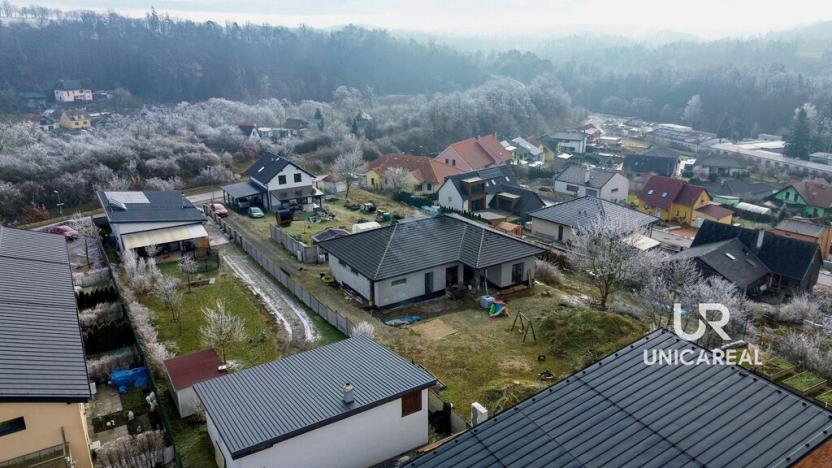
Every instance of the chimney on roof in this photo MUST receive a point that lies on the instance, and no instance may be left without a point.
(587, 175)
(184, 200)
(478, 413)
(348, 393)
(760, 235)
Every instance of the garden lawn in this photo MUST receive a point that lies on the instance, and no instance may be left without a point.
(304, 230)
(263, 334)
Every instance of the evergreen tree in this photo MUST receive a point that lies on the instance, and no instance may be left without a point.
(798, 139)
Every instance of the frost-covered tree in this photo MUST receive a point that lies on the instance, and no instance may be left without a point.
(397, 180)
(221, 329)
(347, 165)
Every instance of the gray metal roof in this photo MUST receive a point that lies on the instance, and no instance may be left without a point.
(580, 211)
(621, 412)
(802, 226)
(242, 190)
(730, 259)
(258, 407)
(165, 206)
(424, 243)
(41, 352)
(576, 174)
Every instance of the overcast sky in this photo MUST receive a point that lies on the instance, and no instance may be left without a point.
(704, 18)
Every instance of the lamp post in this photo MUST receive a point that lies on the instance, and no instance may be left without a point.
(59, 205)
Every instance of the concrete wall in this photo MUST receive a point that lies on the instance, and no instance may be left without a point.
(500, 275)
(450, 198)
(549, 230)
(43, 430)
(387, 293)
(343, 274)
(364, 439)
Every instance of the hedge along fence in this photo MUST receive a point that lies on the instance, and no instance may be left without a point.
(120, 298)
(342, 323)
(304, 253)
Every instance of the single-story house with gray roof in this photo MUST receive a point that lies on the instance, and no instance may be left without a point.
(349, 403)
(418, 259)
(165, 219)
(560, 222)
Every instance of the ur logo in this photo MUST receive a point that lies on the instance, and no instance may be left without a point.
(701, 328)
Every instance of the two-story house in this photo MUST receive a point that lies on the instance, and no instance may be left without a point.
(673, 200)
(811, 199)
(275, 183)
(74, 120)
(578, 181)
(494, 188)
(71, 91)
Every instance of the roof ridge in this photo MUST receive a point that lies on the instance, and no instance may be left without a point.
(386, 249)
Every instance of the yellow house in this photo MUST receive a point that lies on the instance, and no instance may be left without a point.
(74, 120)
(672, 200)
(424, 175)
(43, 376)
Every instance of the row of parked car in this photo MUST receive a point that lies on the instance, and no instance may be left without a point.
(222, 211)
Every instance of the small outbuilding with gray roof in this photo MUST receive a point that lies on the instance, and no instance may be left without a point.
(418, 259)
(350, 403)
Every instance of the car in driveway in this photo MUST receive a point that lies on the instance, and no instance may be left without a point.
(64, 230)
(256, 212)
(220, 210)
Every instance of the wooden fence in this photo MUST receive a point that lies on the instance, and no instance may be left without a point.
(335, 319)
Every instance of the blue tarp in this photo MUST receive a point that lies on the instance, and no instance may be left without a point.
(124, 378)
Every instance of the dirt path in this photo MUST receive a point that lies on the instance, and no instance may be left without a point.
(291, 315)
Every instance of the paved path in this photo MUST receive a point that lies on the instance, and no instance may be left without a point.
(289, 313)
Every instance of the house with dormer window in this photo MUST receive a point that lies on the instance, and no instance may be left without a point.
(275, 183)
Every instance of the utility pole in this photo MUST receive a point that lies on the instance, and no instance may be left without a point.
(59, 205)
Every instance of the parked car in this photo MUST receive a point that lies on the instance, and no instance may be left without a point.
(66, 231)
(255, 212)
(220, 210)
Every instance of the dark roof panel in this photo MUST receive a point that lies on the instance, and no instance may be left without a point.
(148, 207)
(260, 406)
(41, 352)
(268, 166)
(622, 412)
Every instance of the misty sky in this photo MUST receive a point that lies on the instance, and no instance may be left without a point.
(704, 18)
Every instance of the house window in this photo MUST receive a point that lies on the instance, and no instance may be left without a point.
(398, 282)
(354, 271)
(572, 188)
(297, 177)
(18, 424)
(430, 187)
(343, 263)
(281, 179)
(615, 190)
(453, 163)
(412, 403)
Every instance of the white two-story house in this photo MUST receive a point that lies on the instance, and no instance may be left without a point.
(275, 183)
(579, 181)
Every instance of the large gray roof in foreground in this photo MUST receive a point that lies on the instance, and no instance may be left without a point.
(621, 412)
(423, 243)
(258, 407)
(41, 352)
